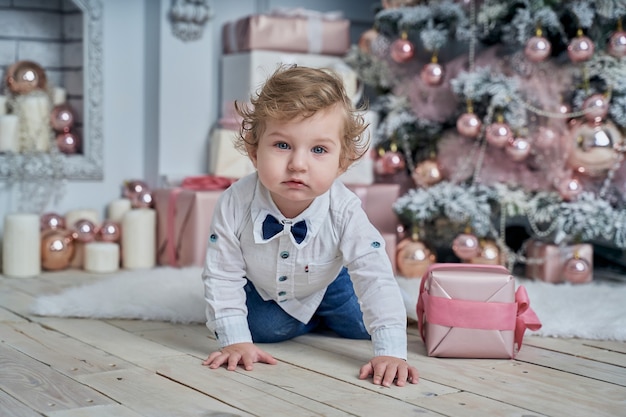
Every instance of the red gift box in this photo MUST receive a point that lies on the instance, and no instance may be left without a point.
(298, 30)
(184, 217)
(546, 262)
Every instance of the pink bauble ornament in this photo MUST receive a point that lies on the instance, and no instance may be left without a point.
(57, 249)
(617, 44)
(580, 49)
(546, 138)
(518, 149)
(134, 187)
(498, 134)
(68, 142)
(596, 107)
(537, 49)
(413, 257)
(402, 50)
(62, 118)
(594, 148)
(142, 200)
(577, 270)
(109, 231)
(466, 246)
(51, 221)
(389, 163)
(569, 189)
(432, 74)
(427, 173)
(84, 231)
(469, 125)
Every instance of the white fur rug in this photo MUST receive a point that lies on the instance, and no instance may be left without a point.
(591, 311)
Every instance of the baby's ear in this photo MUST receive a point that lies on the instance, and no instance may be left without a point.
(251, 149)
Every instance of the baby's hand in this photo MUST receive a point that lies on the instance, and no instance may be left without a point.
(387, 368)
(238, 354)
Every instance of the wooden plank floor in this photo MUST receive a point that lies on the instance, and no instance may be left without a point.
(126, 368)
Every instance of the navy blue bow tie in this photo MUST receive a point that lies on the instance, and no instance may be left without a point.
(271, 226)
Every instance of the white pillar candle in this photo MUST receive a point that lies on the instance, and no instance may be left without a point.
(139, 238)
(9, 137)
(34, 111)
(102, 257)
(59, 96)
(3, 104)
(21, 247)
(72, 216)
(117, 209)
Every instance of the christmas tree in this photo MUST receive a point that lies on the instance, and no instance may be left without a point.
(501, 113)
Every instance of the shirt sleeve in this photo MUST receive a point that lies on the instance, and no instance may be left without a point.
(363, 249)
(224, 274)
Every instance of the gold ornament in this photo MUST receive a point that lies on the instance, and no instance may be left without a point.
(594, 147)
(489, 254)
(25, 76)
(57, 249)
(413, 257)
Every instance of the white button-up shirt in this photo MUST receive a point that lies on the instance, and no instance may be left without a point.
(296, 275)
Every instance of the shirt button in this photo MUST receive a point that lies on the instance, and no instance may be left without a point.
(282, 293)
(284, 255)
(376, 244)
(282, 278)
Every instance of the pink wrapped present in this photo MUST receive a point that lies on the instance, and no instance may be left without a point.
(547, 262)
(184, 217)
(473, 311)
(289, 30)
(377, 201)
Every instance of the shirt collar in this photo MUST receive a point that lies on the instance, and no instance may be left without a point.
(262, 205)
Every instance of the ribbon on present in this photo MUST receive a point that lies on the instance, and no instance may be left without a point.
(195, 183)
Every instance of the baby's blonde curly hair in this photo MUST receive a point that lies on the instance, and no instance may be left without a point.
(293, 91)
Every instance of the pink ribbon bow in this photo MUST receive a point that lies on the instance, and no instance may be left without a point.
(526, 317)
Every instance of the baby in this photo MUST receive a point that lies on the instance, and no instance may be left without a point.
(291, 250)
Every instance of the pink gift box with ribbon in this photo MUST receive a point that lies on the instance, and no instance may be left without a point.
(546, 262)
(184, 216)
(289, 30)
(473, 311)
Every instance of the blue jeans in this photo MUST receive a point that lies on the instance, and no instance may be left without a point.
(339, 311)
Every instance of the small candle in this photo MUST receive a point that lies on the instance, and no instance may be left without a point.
(3, 104)
(9, 138)
(72, 216)
(59, 96)
(102, 257)
(117, 209)
(139, 238)
(21, 247)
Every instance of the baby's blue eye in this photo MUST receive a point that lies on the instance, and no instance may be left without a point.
(319, 149)
(282, 145)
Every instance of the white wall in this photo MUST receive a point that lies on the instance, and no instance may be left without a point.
(161, 94)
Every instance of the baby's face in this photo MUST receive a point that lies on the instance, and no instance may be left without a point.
(298, 160)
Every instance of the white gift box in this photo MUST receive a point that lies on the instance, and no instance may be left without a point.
(244, 73)
(224, 159)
